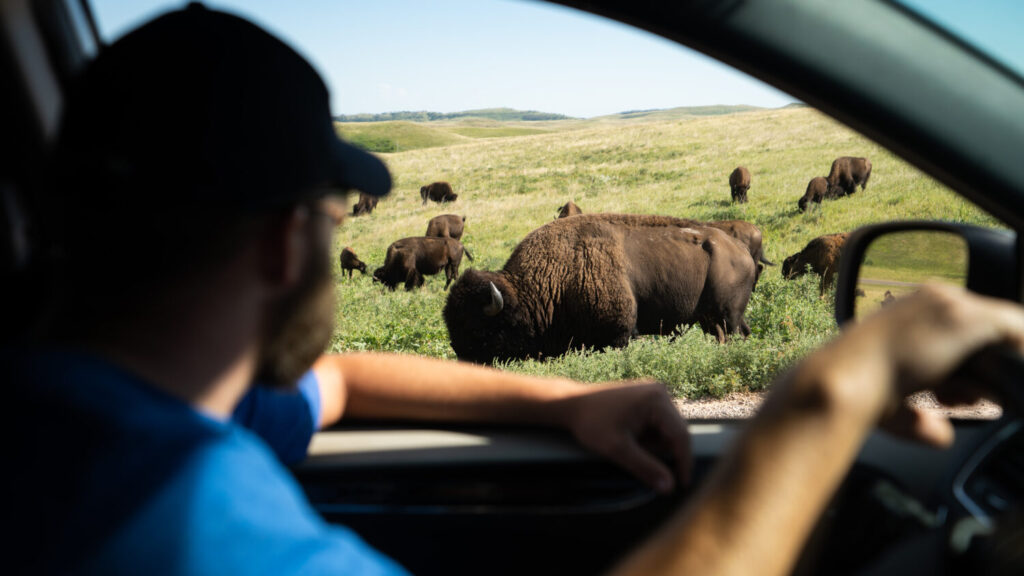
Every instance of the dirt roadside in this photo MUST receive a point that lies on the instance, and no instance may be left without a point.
(746, 405)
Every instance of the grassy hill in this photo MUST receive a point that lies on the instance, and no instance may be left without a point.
(677, 113)
(497, 114)
(510, 183)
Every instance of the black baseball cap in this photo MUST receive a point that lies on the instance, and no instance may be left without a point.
(204, 106)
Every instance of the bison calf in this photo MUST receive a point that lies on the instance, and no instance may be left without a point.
(817, 188)
(410, 259)
(739, 183)
(822, 255)
(846, 174)
(569, 209)
(446, 225)
(350, 262)
(438, 192)
(595, 280)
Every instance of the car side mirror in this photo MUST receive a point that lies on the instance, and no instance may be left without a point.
(883, 262)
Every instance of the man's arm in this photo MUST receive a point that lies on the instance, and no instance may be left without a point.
(760, 503)
(609, 419)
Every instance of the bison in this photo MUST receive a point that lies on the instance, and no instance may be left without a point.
(596, 280)
(887, 299)
(350, 262)
(817, 189)
(846, 174)
(410, 259)
(749, 235)
(438, 192)
(739, 183)
(446, 225)
(822, 254)
(365, 205)
(569, 209)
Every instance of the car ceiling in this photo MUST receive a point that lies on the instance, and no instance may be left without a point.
(875, 66)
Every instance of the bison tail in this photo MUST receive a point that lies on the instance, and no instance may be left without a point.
(864, 184)
(766, 261)
(468, 255)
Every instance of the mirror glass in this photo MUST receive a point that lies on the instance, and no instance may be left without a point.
(898, 263)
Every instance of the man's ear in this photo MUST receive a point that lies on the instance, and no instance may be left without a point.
(285, 248)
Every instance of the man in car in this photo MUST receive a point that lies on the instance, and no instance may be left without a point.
(193, 167)
(193, 160)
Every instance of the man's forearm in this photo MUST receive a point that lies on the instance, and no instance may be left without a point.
(392, 386)
(759, 505)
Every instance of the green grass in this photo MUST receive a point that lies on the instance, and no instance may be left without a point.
(396, 136)
(508, 185)
(496, 131)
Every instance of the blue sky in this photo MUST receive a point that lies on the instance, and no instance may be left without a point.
(390, 55)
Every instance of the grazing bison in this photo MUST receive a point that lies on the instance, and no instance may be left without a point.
(846, 174)
(438, 192)
(350, 262)
(817, 189)
(887, 299)
(739, 183)
(410, 259)
(749, 235)
(569, 209)
(596, 280)
(365, 205)
(822, 254)
(446, 225)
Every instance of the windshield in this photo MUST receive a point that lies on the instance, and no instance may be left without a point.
(991, 26)
(523, 107)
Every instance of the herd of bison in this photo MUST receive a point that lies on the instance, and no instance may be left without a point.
(596, 280)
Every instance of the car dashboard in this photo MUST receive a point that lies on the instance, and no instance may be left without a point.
(503, 500)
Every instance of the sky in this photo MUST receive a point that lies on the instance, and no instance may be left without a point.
(454, 55)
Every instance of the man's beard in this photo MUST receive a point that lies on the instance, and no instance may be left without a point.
(300, 326)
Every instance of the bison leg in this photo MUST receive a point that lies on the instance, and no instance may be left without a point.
(744, 328)
(411, 280)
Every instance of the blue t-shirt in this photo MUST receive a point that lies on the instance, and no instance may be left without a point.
(108, 475)
(285, 419)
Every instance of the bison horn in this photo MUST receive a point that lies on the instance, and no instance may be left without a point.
(496, 301)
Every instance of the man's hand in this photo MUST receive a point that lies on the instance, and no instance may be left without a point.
(915, 344)
(623, 421)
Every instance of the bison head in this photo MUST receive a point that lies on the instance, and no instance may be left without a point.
(484, 320)
(802, 203)
(380, 275)
(789, 267)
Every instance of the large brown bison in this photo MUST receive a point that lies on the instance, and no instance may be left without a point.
(438, 192)
(569, 209)
(846, 174)
(349, 261)
(446, 225)
(595, 280)
(822, 254)
(817, 190)
(748, 234)
(739, 183)
(410, 259)
(365, 205)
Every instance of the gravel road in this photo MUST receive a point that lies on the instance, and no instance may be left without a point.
(745, 405)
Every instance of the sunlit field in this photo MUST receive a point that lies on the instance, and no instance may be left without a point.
(512, 176)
